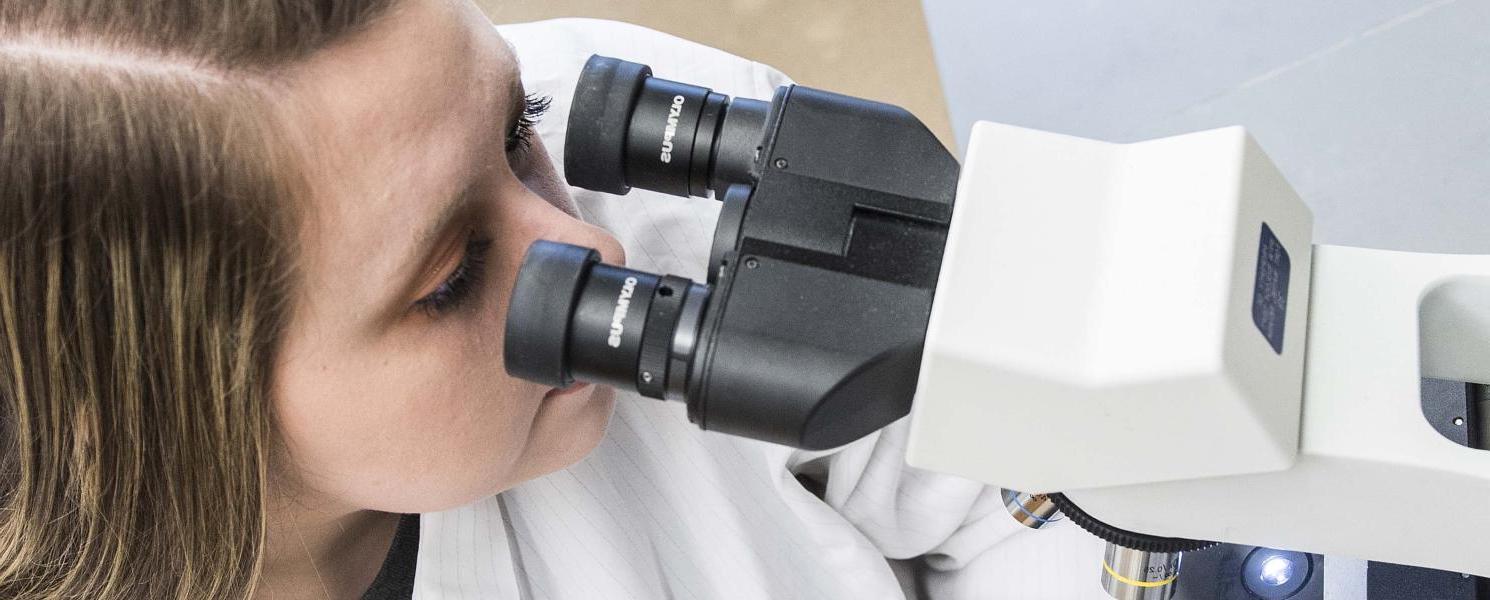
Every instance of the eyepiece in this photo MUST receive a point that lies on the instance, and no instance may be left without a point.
(548, 284)
(595, 145)
(574, 317)
(630, 129)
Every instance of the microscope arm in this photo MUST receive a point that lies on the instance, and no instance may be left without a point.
(1129, 324)
(1372, 479)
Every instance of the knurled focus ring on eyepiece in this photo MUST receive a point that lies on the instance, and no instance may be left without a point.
(657, 336)
(1123, 537)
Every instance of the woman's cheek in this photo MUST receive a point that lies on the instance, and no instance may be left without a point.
(461, 435)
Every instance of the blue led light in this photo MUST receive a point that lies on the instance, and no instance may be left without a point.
(1276, 574)
(1276, 570)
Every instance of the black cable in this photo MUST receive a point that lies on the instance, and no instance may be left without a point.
(1123, 537)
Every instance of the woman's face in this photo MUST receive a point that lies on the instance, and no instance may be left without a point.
(389, 390)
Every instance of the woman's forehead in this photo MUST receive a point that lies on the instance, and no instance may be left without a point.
(423, 71)
(391, 121)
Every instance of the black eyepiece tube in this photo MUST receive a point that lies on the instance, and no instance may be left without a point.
(630, 129)
(574, 317)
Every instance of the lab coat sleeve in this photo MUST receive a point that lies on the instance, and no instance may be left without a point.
(905, 511)
(967, 543)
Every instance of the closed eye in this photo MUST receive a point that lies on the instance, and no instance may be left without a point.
(462, 283)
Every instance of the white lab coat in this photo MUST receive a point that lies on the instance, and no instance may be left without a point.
(663, 510)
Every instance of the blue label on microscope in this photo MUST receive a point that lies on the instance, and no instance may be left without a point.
(1270, 290)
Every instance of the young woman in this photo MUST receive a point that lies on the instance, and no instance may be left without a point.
(254, 258)
(252, 263)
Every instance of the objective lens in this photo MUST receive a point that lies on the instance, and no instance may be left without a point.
(1276, 574)
(1129, 574)
(1031, 510)
(573, 317)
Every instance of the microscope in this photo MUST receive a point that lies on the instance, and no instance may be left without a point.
(1140, 337)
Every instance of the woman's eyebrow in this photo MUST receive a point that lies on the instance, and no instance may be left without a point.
(437, 226)
(517, 100)
(421, 251)
(517, 96)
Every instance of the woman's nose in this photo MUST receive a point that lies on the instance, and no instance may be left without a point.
(610, 249)
(543, 220)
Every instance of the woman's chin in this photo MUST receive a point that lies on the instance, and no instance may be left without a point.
(568, 426)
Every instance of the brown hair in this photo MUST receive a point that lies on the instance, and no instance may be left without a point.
(146, 222)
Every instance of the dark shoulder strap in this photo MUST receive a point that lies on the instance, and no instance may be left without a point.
(395, 580)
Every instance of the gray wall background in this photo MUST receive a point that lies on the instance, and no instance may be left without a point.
(1378, 111)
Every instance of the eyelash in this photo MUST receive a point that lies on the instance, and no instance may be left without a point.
(521, 136)
(462, 282)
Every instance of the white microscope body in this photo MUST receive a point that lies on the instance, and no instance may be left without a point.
(1148, 328)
